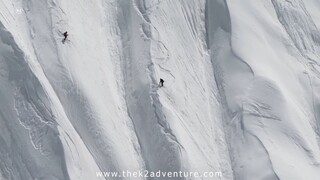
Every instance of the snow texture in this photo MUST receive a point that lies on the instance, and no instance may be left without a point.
(241, 90)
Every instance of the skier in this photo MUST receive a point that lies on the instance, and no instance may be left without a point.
(65, 34)
(161, 82)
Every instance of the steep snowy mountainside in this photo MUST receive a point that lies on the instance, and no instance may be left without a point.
(270, 95)
(240, 97)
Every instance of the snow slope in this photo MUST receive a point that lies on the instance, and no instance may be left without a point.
(241, 92)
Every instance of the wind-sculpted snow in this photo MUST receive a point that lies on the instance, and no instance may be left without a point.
(299, 25)
(271, 109)
(240, 95)
(23, 110)
(233, 76)
(144, 108)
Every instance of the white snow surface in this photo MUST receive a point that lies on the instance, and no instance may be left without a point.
(241, 94)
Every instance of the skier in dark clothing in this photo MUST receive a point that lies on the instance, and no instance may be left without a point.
(161, 82)
(65, 34)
